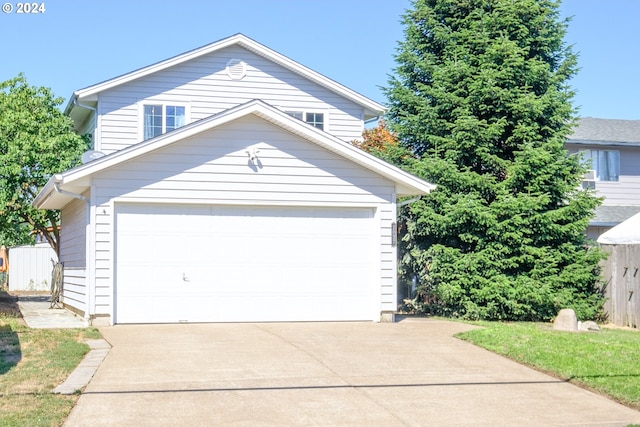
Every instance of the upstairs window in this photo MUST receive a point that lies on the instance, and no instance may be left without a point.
(605, 164)
(160, 118)
(314, 119)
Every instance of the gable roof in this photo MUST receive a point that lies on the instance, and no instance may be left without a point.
(56, 193)
(595, 131)
(372, 108)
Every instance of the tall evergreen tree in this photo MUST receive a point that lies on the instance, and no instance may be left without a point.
(480, 96)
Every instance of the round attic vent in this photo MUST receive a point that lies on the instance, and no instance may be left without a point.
(90, 155)
(236, 69)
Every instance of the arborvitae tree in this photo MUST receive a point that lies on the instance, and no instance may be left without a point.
(480, 96)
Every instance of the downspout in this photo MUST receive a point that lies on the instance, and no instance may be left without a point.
(88, 240)
(88, 107)
(374, 119)
(395, 229)
(95, 119)
(394, 225)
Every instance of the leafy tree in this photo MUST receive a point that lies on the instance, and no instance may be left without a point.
(480, 98)
(382, 142)
(36, 141)
(378, 139)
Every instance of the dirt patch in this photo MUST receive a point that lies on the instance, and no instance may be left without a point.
(625, 328)
(9, 306)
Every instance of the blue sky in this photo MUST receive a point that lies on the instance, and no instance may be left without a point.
(77, 43)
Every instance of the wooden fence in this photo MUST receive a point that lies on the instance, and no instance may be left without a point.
(621, 273)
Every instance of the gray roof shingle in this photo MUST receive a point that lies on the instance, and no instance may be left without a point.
(589, 129)
(613, 215)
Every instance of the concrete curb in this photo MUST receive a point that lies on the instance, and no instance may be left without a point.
(83, 373)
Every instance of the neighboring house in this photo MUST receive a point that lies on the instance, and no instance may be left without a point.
(613, 149)
(227, 191)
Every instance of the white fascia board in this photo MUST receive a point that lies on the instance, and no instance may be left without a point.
(50, 198)
(249, 44)
(80, 175)
(409, 184)
(308, 73)
(45, 194)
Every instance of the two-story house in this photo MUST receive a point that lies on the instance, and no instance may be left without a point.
(612, 148)
(222, 187)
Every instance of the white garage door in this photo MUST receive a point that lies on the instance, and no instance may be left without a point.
(239, 264)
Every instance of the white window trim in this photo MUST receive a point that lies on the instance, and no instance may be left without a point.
(586, 154)
(305, 111)
(164, 103)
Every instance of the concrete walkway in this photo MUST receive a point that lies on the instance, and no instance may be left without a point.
(411, 373)
(37, 314)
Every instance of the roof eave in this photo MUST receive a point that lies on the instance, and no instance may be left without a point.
(406, 184)
(77, 178)
(609, 143)
(249, 44)
(49, 198)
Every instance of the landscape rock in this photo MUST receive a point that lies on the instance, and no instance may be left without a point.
(589, 326)
(566, 320)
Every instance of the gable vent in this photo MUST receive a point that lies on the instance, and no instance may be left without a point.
(236, 69)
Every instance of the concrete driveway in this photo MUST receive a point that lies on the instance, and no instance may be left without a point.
(411, 373)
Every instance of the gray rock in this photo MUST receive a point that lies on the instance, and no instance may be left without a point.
(589, 326)
(566, 320)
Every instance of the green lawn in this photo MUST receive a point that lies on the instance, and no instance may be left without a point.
(607, 362)
(32, 363)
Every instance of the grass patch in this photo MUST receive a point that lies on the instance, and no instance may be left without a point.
(32, 363)
(607, 362)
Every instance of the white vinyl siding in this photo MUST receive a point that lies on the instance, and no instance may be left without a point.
(74, 289)
(73, 254)
(214, 169)
(204, 83)
(103, 259)
(388, 259)
(72, 235)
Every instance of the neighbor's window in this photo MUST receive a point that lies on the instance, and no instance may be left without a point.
(605, 163)
(159, 119)
(314, 119)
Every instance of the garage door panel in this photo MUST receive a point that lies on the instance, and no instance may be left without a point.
(217, 264)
